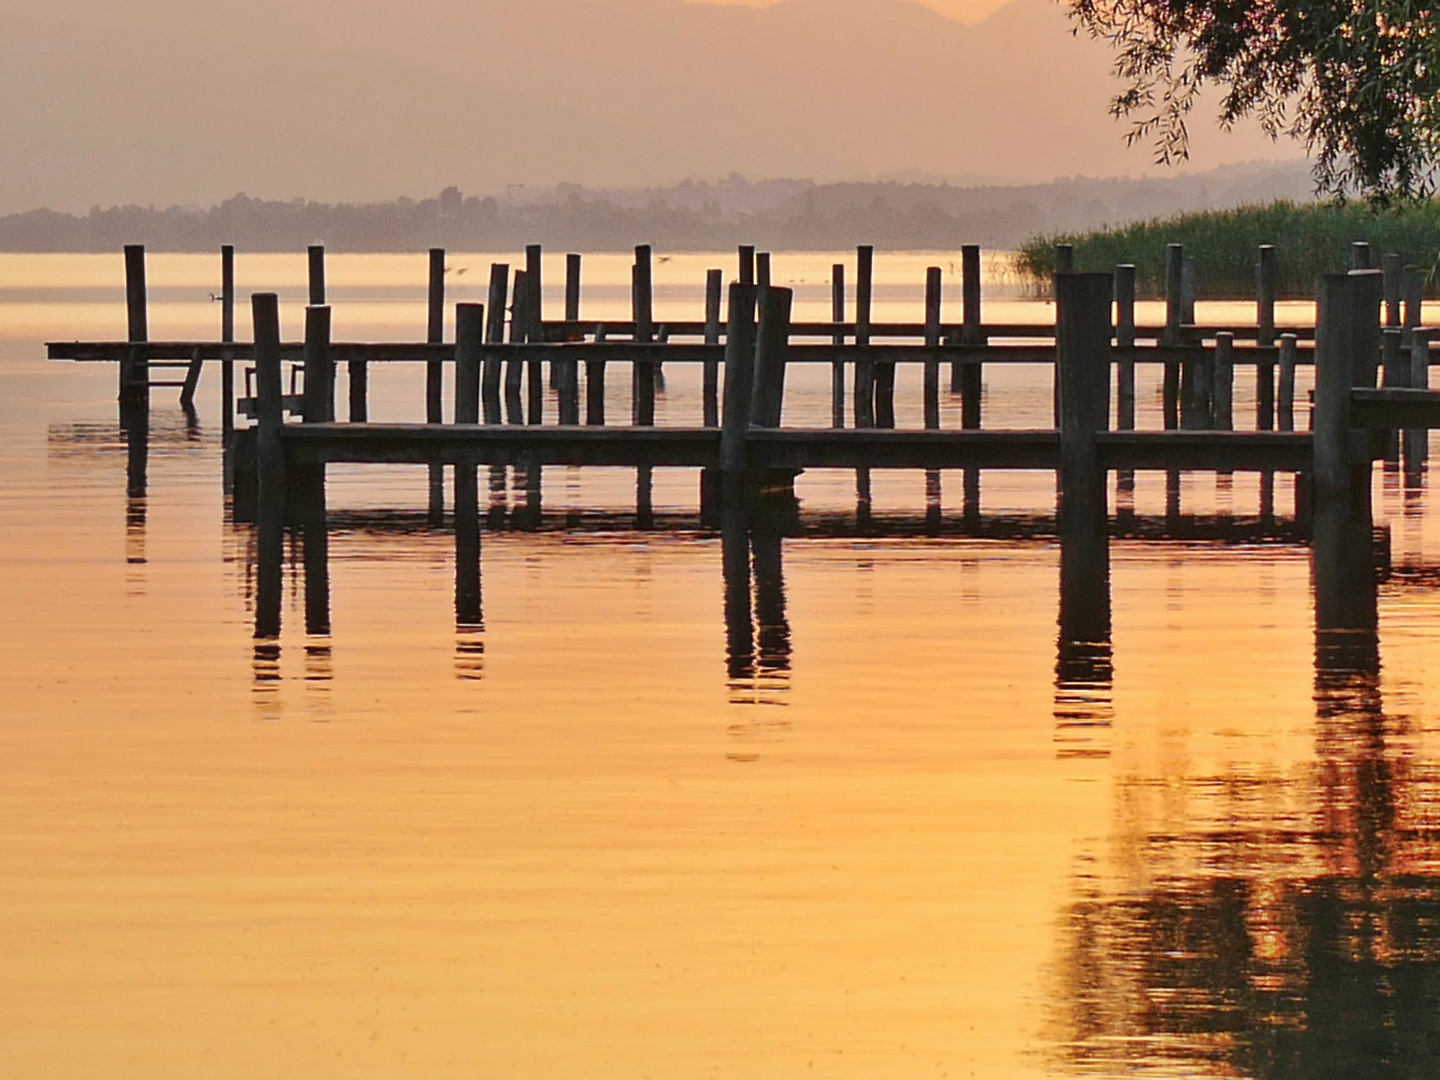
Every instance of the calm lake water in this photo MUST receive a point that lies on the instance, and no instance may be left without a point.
(575, 845)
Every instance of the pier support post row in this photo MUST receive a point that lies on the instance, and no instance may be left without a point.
(1346, 350)
(1082, 353)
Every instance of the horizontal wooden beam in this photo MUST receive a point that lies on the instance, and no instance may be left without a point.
(1395, 408)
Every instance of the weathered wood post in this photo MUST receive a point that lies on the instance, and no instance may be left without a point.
(762, 270)
(1414, 300)
(1082, 353)
(747, 264)
(319, 399)
(1266, 292)
(864, 368)
(739, 391)
(435, 375)
(710, 389)
(1285, 399)
(1124, 276)
(572, 291)
(534, 295)
(227, 365)
(469, 350)
(642, 368)
(1348, 321)
(1394, 372)
(134, 393)
(1170, 384)
(315, 259)
(772, 345)
(1064, 258)
(1200, 393)
(1188, 290)
(1361, 255)
(1222, 390)
(469, 354)
(595, 384)
(568, 377)
(932, 341)
(837, 338)
(270, 455)
(1392, 266)
(963, 375)
(515, 366)
(494, 335)
(1417, 439)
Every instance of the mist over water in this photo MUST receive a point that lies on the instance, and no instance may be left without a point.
(836, 802)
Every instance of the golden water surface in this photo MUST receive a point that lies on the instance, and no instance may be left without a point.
(573, 845)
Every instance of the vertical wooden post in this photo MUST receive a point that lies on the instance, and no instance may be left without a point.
(1392, 266)
(1393, 371)
(1414, 299)
(1174, 311)
(1343, 562)
(1064, 258)
(567, 373)
(837, 338)
(1266, 291)
(515, 366)
(1285, 399)
(1417, 439)
(595, 384)
(135, 371)
(772, 345)
(710, 391)
(747, 264)
(469, 350)
(864, 369)
(319, 400)
(1188, 290)
(1361, 256)
(270, 454)
(227, 365)
(642, 390)
(316, 259)
(1222, 393)
(932, 341)
(494, 335)
(1125, 339)
(972, 330)
(762, 270)
(534, 295)
(572, 290)
(1082, 353)
(435, 375)
(739, 388)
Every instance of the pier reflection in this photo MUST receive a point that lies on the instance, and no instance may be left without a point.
(1276, 925)
(757, 630)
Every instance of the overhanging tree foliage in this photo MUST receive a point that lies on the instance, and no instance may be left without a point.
(1358, 81)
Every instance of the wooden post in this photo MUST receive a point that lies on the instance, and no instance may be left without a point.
(932, 341)
(534, 295)
(435, 375)
(227, 365)
(1125, 339)
(642, 383)
(1392, 266)
(972, 331)
(1414, 299)
(1188, 289)
(1285, 399)
(739, 388)
(772, 344)
(515, 367)
(319, 400)
(864, 369)
(714, 286)
(762, 270)
(1361, 256)
(595, 385)
(1393, 369)
(1174, 307)
(1082, 352)
(1266, 291)
(1417, 439)
(837, 338)
(1222, 392)
(1064, 258)
(316, 259)
(1343, 564)
(494, 335)
(134, 393)
(747, 264)
(270, 453)
(469, 350)
(572, 289)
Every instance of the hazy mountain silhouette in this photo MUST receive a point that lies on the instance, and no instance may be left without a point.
(155, 101)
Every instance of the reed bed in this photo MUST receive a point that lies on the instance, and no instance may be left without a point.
(1310, 239)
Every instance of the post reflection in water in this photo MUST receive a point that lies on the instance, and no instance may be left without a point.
(757, 631)
(469, 611)
(1274, 944)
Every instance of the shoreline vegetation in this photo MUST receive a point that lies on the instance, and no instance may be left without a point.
(778, 215)
(1309, 238)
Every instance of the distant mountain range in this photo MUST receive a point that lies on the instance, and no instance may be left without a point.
(158, 102)
(783, 214)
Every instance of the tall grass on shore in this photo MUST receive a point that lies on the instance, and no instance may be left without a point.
(1309, 239)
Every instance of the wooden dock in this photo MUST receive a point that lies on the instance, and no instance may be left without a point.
(1371, 382)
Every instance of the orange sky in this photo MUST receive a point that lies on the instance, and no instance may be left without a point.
(964, 10)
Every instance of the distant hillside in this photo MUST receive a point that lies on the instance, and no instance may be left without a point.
(781, 214)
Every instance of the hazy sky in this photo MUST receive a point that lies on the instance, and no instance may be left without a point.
(964, 10)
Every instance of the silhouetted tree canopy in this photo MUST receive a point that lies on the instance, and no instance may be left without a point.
(1358, 81)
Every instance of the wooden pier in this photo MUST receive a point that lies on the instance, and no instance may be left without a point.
(747, 459)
